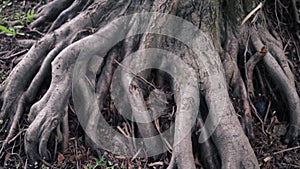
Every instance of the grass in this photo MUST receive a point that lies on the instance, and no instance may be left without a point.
(100, 162)
(14, 18)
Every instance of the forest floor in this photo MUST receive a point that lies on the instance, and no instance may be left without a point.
(16, 39)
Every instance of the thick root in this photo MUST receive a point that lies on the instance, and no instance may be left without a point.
(287, 89)
(50, 11)
(48, 113)
(236, 83)
(69, 13)
(33, 69)
(63, 46)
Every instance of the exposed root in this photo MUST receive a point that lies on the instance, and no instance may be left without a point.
(105, 78)
(276, 50)
(236, 83)
(250, 68)
(64, 45)
(31, 72)
(19, 79)
(182, 155)
(69, 13)
(65, 131)
(287, 89)
(232, 154)
(48, 113)
(231, 148)
(50, 11)
(145, 129)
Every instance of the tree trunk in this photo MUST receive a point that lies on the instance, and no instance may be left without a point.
(150, 60)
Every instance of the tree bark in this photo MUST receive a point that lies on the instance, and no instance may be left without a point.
(207, 37)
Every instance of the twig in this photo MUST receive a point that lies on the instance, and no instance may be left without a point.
(257, 116)
(259, 6)
(38, 32)
(155, 163)
(127, 128)
(71, 108)
(128, 70)
(25, 165)
(169, 146)
(267, 113)
(122, 131)
(271, 91)
(268, 158)
(273, 120)
(14, 138)
(288, 149)
(76, 153)
(136, 154)
(260, 80)
(156, 122)
(14, 55)
(291, 165)
(66, 129)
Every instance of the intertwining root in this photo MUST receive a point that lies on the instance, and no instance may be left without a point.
(54, 56)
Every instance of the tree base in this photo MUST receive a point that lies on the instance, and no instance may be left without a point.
(66, 48)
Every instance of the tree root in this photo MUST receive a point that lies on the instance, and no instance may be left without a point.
(46, 114)
(209, 155)
(35, 67)
(50, 11)
(145, 129)
(236, 83)
(14, 100)
(250, 68)
(69, 13)
(57, 52)
(287, 89)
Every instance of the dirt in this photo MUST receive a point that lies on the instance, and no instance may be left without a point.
(269, 147)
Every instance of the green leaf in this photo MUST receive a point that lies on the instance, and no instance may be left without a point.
(110, 163)
(6, 30)
(102, 158)
(30, 15)
(1, 122)
(89, 166)
(80, 139)
(32, 12)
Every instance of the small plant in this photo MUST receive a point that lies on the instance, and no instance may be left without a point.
(11, 30)
(80, 139)
(44, 167)
(101, 162)
(30, 15)
(110, 165)
(13, 21)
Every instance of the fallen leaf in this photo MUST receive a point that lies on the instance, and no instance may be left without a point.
(60, 158)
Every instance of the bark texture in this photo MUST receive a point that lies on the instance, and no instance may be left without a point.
(85, 41)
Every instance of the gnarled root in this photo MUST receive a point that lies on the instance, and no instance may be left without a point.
(27, 78)
(46, 114)
(281, 75)
(236, 83)
(75, 63)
